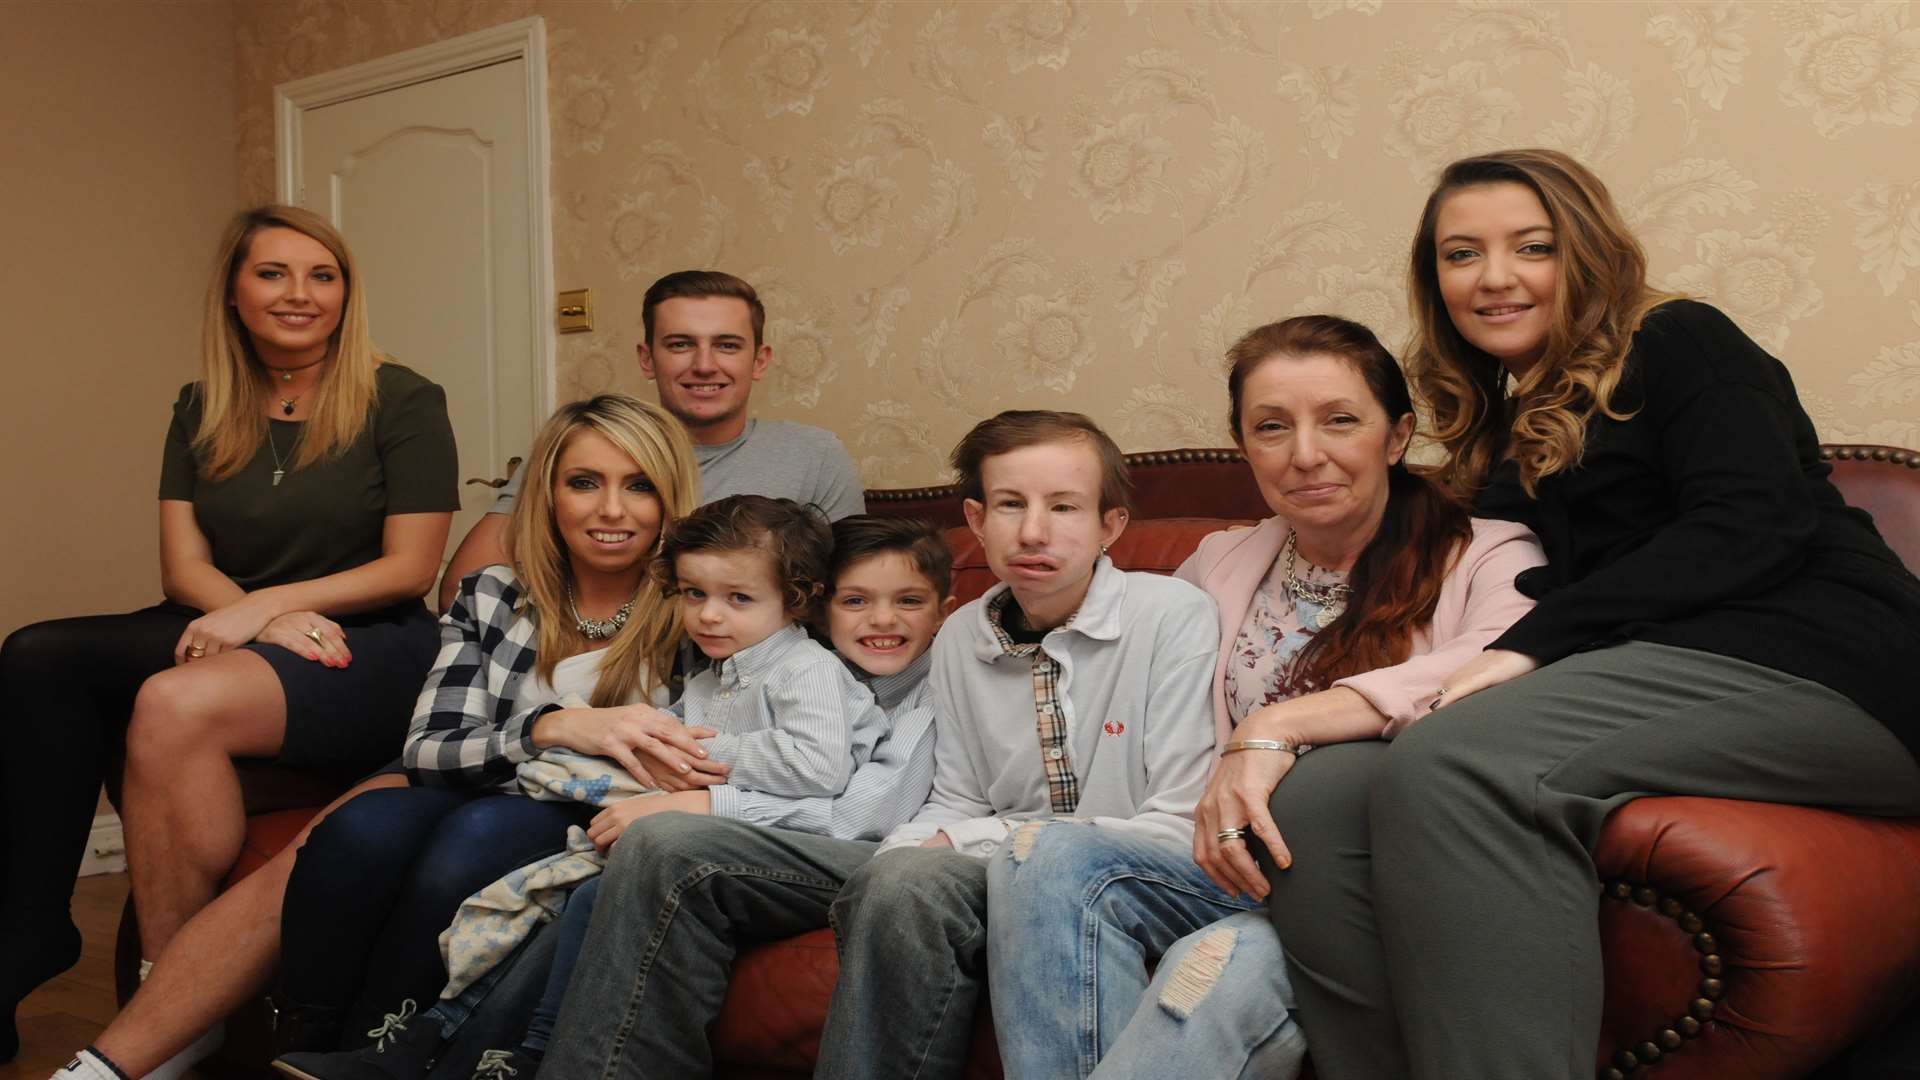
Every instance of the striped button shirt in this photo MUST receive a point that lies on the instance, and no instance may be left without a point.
(887, 788)
(792, 719)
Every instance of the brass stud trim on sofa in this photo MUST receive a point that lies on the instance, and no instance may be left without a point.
(1711, 987)
(1892, 455)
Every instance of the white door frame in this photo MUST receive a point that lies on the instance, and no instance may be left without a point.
(526, 40)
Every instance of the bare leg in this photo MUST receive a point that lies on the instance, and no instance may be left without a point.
(220, 958)
(184, 819)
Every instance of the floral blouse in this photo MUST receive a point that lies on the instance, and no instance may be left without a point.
(1277, 626)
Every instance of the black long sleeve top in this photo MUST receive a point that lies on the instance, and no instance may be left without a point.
(1707, 520)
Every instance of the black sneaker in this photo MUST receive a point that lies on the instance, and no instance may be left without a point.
(305, 1028)
(404, 1048)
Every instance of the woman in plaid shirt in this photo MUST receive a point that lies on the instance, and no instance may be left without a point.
(575, 616)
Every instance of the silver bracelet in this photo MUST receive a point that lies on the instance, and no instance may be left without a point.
(1238, 745)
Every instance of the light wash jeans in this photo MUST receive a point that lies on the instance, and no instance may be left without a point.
(1219, 1008)
(1078, 915)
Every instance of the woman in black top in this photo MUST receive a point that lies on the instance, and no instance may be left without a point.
(1714, 620)
(305, 495)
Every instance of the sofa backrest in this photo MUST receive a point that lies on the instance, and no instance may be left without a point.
(1156, 545)
(1885, 482)
(1182, 495)
(1166, 483)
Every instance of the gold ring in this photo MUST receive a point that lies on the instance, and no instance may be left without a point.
(314, 633)
(196, 651)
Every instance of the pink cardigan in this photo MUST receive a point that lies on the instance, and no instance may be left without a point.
(1477, 603)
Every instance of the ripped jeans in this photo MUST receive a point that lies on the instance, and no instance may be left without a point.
(1078, 916)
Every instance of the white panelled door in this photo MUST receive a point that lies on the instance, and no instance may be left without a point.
(430, 184)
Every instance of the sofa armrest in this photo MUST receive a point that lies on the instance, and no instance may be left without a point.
(1751, 939)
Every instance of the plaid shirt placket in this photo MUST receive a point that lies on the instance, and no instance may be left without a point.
(1063, 788)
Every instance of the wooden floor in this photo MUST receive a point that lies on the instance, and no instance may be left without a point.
(67, 1013)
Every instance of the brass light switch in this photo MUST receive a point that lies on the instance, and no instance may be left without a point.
(575, 310)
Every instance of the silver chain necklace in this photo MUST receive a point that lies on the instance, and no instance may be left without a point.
(598, 629)
(1331, 598)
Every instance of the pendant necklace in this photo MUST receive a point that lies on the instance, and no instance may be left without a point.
(1330, 597)
(279, 466)
(596, 629)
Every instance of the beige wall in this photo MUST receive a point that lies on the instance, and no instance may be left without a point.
(953, 208)
(118, 145)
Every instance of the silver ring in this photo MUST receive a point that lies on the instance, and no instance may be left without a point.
(314, 633)
(1225, 835)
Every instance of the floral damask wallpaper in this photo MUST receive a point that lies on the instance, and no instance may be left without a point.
(953, 208)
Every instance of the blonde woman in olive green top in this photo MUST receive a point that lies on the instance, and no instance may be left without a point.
(305, 495)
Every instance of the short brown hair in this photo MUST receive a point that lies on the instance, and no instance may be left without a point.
(863, 536)
(795, 536)
(698, 285)
(1017, 429)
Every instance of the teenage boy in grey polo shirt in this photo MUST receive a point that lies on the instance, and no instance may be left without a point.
(1071, 690)
(704, 352)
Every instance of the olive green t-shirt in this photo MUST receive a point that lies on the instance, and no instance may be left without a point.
(328, 516)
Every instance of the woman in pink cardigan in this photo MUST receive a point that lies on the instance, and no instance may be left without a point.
(1339, 618)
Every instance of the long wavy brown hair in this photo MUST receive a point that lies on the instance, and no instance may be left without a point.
(1601, 299)
(1397, 577)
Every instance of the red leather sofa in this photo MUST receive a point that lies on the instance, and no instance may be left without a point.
(1741, 939)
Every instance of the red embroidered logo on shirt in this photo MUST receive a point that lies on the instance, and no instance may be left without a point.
(1113, 727)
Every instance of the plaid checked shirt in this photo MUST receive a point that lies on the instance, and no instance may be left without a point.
(468, 731)
(1063, 789)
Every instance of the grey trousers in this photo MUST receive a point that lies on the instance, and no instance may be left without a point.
(1441, 914)
(912, 929)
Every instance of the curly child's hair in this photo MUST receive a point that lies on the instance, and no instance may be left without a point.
(795, 536)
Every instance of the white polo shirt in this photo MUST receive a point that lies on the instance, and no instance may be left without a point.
(1136, 684)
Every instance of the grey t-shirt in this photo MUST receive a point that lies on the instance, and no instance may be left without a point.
(777, 458)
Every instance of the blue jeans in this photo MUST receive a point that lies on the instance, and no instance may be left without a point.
(1078, 914)
(569, 933)
(1219, 1008)
(380, 878)
(681, 895)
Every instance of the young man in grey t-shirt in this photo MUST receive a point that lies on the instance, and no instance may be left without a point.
(704, 352)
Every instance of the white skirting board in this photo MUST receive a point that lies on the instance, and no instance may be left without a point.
(106, 847)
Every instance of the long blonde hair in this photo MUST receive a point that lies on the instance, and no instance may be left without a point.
(641, 653)
(1601, 299)
(233, 382)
